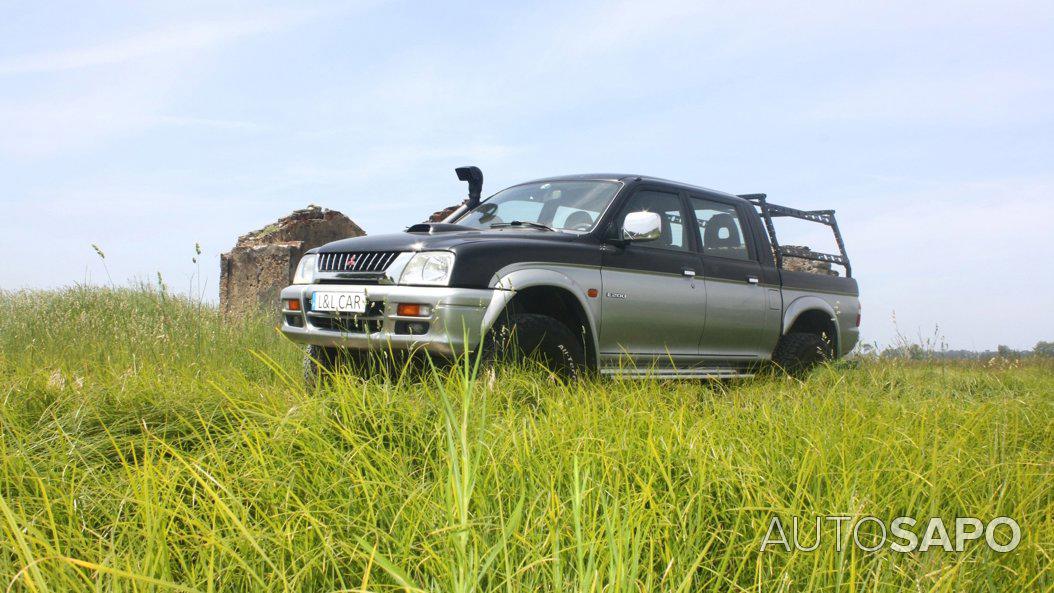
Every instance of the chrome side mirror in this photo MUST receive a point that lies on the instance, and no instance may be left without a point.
(641, 226)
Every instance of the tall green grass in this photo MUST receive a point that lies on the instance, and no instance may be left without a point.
(147, 445)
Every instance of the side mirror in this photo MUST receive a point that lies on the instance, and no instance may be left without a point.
(641, 226)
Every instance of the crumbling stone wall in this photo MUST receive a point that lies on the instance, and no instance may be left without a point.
(797, 264)
(439, 215)
(263, 261)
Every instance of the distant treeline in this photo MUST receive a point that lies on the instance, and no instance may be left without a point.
(926, 351)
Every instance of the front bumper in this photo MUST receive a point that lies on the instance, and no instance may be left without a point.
(459, 316)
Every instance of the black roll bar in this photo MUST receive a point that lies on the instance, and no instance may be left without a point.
(769, 211)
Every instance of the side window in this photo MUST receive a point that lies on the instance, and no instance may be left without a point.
(668, 207)
(720, 229)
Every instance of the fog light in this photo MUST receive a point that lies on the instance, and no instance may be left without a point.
(413, 310)
(414, 328)
(292, 304)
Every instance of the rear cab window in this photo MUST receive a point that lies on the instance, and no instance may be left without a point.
(720, 230)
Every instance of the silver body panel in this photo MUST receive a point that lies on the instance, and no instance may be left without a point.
(739, 323)
(650, 318)
(455, 324)
(645, 324)
(843, 308)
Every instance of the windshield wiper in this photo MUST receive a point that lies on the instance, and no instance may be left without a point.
(533, 225)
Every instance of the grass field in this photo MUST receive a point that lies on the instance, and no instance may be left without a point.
(148, 446)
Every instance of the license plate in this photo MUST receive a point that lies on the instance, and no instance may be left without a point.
(340, 302)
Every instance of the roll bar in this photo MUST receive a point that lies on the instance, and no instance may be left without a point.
(769, 211)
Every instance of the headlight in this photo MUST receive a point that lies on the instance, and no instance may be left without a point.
(305, 270)
(428, 267)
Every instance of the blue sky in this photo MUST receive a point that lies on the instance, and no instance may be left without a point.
(146, 127)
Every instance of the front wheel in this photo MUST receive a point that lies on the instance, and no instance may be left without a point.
(528, 336)
(799, 352)
(321, 362)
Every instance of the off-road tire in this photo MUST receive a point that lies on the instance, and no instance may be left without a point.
(531, 337)
(799, 353)
(319, 364)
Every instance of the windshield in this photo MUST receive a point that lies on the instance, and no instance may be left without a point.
(573, 206)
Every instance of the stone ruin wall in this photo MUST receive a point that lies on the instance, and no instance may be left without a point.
(262, 262)
(797, 264)
(439, 215)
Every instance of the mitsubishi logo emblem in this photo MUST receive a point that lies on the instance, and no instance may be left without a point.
(350, 263)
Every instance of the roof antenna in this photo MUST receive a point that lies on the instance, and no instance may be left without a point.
(474, 177)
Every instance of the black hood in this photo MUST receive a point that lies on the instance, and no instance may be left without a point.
(443, 240)
(483, 253)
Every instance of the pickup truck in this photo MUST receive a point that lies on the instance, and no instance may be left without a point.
(610, 273)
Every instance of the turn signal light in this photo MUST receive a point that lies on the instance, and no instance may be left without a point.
(413, 310)
(292, 304)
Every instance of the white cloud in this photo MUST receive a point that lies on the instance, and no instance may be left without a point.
(383, 160)
(975, 97)
(88, 115)
(211, 123)
(93, 95)
(181, 38)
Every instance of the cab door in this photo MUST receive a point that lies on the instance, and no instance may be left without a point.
(737, 307)
(654, 298)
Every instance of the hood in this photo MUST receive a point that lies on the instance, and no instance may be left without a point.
(441, 240)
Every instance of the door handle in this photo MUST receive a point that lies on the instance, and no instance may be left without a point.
(688, 272)
(752, 279)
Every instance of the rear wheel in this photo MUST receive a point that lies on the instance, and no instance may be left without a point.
(528, 336)
(798, 353)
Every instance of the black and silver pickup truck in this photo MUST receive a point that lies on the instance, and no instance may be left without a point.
(620, 274)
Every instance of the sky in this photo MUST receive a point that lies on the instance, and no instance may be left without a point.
(148, 127)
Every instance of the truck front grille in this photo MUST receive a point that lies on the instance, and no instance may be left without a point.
(356, 261)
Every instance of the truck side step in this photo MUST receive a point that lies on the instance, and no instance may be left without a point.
(671, 373)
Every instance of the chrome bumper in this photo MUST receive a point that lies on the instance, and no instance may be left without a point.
(458, 318)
